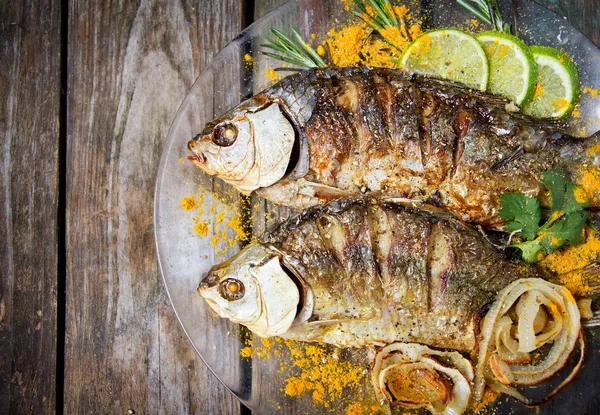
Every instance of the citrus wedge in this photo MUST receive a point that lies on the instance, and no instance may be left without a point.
(557, 84)
(512, 67)
(449, 54)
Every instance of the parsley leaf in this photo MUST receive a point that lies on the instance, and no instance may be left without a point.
(555, 180)
(530, 250)
(570, 203)
(523, 211)
(566, 230)
(564, 226)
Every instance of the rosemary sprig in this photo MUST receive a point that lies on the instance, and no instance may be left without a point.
(382, 18)
(488, 11)
(296, 51)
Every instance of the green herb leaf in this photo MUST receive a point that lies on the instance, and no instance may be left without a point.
(566, 230)
(565, 225)
(381, 16)
(570, 203)
(488, 11)
(523, 211)
(555, 181)
(297, 51)
(530, 250)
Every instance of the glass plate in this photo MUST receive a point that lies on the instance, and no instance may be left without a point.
(184, 257)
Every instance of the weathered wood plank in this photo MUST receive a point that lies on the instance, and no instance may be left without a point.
(29, 137)
(263, 7)
(130, 66)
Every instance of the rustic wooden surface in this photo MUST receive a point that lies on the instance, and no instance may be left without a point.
(129, 67)
(125, 68)
(29, 136)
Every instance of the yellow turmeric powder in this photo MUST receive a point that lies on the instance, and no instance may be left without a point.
(570, 264)
(226, 219)
(365, 408)
(311, 369)
(355, 43)
(201, 229)
(588, 90)
(589, 184)
(271, 74)
(189, 203)
(321, 373)
(246, 351)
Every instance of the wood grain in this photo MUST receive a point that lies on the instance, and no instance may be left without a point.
(130, 65)
(263, 7)
(29, 137)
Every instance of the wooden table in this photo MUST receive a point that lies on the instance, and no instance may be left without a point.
(88, 90)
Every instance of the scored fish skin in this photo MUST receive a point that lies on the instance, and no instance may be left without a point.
(384, 132)
(382, 272)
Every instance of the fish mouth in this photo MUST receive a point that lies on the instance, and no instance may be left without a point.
(198, 157)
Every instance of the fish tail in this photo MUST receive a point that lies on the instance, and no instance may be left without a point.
(593, 321)
(583, 282)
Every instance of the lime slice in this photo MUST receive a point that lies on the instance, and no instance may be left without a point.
(512, 68)
(557, 85)
(448, 54)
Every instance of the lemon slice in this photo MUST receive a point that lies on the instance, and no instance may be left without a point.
(448, 54)
(512, 68)
(557, 85)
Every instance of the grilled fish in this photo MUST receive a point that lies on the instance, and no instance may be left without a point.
(367, 272)
(323, 134)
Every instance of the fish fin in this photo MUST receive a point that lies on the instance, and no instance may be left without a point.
(407, 202)
(506, 160)
(494, 101)
(423, 206)
(326, 193)
(591, 322)
(300, 194)
(583, 282)
(371, 314)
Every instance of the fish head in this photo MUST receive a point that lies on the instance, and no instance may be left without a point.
(249, 147)
(253, 289)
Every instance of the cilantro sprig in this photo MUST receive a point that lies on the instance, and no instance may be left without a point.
(564, 226)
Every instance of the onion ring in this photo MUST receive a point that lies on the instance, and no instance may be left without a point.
(503, 353)
(448, 374)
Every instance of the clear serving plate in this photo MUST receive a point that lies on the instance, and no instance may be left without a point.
(184, 257)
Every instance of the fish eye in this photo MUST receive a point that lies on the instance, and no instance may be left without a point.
(232, 289)
(225, 135)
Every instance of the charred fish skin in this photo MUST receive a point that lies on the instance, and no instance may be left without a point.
(384, 132)
(374, 273)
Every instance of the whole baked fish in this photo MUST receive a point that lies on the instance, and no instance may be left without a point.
(323, 134)
(365, 272)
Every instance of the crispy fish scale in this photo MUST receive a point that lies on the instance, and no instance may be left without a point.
(385, 272)
(380, 131)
